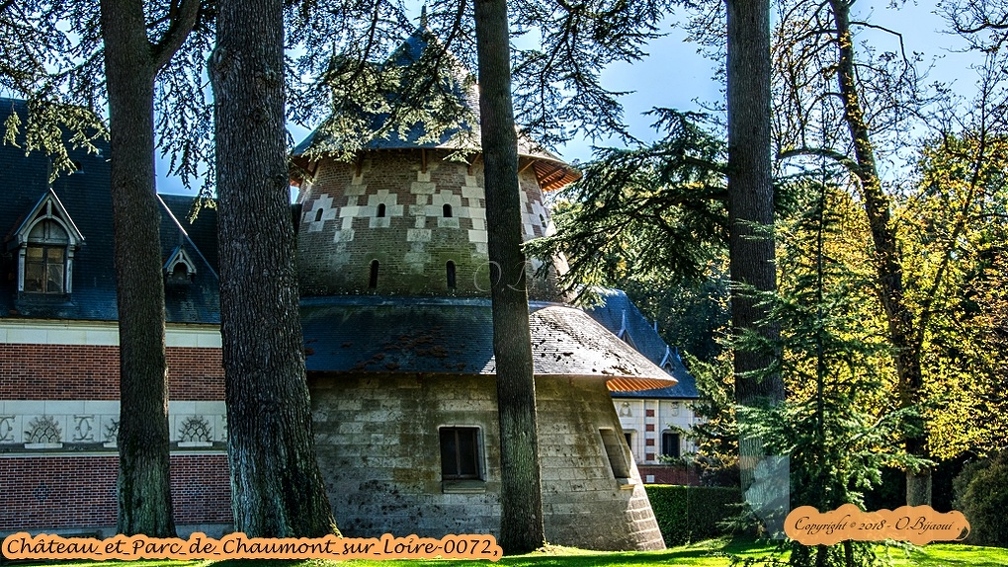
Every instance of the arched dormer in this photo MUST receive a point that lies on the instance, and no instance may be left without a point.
(179, 268)
(46, 241)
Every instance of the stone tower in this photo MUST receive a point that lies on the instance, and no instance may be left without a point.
(392, 254)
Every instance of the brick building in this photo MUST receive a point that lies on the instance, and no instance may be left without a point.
(59, 360)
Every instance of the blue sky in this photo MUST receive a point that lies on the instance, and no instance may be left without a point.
(675, 75)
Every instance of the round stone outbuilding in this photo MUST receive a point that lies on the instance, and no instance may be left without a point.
(393, 265)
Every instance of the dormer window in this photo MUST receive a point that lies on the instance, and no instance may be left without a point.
(179, 269)
(46, 242)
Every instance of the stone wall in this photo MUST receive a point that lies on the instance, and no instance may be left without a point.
(378, 447)
(585, 501)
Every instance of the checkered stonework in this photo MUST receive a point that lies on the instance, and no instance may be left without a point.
(396, 223)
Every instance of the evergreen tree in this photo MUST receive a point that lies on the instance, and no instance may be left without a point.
(64, 56)
(833, 429)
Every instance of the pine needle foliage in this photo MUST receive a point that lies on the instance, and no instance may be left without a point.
(836, 445)
(559, 51)
(657, 211)
(52, 55)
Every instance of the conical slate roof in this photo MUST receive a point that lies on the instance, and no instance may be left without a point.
(551, 171)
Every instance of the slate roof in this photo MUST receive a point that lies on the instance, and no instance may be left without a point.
(551, 171)
(620, 316)
(198, 302)
(86, 196)
(364, 334)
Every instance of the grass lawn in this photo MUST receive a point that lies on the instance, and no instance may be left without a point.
(710, 553)
(717, 553)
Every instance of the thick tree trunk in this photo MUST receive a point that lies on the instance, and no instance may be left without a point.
(888, 264)
(145, 504)
(276, 485)
(521, 487)
(750, 209)
(750, 189)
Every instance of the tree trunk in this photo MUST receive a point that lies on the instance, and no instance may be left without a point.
(276, 485)
(888, 264)
(521, 488)
(750, 210)
(144, 490)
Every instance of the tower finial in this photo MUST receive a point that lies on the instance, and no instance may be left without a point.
(423, 17)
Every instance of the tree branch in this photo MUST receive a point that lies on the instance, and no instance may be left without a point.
(888, 31)
(181, 24)
(834, 155)
(986, 24)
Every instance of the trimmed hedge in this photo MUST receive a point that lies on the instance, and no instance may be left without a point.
(982, 495)
(691, 513)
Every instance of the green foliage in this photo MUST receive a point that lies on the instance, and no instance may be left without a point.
(981, 492)
(956, 250)
(671, 192)
(52, 55)
(555, 73)
(557, 86)
(691, 513)
(420, 92)
(690, 315)
(716, 430)
(837, 433)
(53, 129)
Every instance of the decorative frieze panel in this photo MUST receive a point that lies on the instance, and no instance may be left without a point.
(84, 428)
(43, 432)
(195, 431)
(31, 425)
(110, 431)
(8, 425)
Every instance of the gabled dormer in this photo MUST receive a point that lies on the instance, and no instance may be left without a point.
(179, 268)
(623, 333)
(45, 242)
